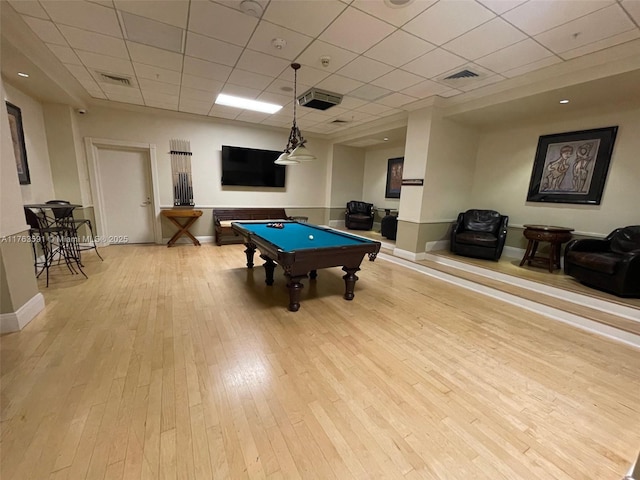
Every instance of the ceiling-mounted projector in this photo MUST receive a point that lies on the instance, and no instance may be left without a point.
(319, 99)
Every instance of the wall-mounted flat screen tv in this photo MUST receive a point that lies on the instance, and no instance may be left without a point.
(251, 167)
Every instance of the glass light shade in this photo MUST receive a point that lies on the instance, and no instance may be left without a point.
(284, 159)
(301, 154)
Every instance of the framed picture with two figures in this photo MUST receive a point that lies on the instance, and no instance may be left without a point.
(19, 148)
(572, 167)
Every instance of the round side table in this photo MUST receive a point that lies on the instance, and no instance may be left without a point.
(556, 236)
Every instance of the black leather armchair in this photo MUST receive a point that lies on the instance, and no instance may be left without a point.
(611, 264)
(359, 215)
(479, 233)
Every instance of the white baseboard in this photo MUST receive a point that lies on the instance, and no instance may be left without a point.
(16, 321)
(187, 240)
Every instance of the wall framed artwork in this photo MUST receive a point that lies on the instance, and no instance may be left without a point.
(572, 167)
(19, 148)
(394, 177)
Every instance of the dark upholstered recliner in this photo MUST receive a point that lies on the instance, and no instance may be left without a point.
(480, 234)
(611, 264)
(359, 215)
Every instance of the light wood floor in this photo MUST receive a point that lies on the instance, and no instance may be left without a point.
(181, 363)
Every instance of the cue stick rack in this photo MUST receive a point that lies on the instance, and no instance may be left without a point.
(181, 173)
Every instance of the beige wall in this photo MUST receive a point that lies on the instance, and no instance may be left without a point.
(41, 188)
(375, 176)
(305, 184)
(346, 177)
(505, 160)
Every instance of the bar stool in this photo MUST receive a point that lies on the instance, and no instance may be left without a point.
(65, 217)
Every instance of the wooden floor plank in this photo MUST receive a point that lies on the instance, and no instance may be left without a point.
(182, 363)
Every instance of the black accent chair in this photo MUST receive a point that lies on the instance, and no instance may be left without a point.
(480, 234)
(611, 264)
(359, 215)
(389, 226)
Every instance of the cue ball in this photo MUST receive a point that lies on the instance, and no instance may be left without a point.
(310, 237)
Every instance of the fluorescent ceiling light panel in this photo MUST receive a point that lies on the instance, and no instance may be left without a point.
(247, 104)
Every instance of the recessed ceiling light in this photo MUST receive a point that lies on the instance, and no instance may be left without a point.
(386, 139)
(247, 104)
(22, 74)
(564, 101)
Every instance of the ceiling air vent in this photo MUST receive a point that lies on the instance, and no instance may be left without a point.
(319, 99)
(114, 79)
(462, 74)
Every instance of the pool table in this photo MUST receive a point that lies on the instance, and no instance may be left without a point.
(301, 249)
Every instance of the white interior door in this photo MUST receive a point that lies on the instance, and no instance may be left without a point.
(127, 195)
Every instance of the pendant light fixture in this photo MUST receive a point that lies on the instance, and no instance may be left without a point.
(295, 151)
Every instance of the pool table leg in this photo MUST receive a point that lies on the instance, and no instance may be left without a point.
(313, 274)
(269, 267)
(251, 248)
(295, 286)
(350, 280)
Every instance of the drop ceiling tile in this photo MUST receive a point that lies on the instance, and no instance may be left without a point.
(222, 111)
(338, 57)
(120, 91)
(240, 91)
(253, 117)
(426, 89)
(591, 28)
(266, 32)
(83, 76)
(202, 68)
(633, 8)
(275, 98)
(248, 79)
(172, 12)
(201, 83)
(539, 16)
(483, 82)
(194, 106)
(501, 6)
(94, 42)
(155, 98)
(97, 94)
(627, 36)
(106, 64)
(46, 30)
(151, 86)
(446, 20)
(344, 33)
(150, 32)
(262, 63)
(85, 15)
(399, 48)
(134, 97)
(64, 54)
(485, 39)
(395, 16)
(434, 63)
(306, 76)
(350, 102)
(339, 84)
(522, 53)
(154, 56)
(193, 94)
(364, 69)
(159, 74)
(530, 67)
(31, 8)
(375, 109)
(396, 100)
(397, 80)
(220, 22)
(310, 18)
(212, 50)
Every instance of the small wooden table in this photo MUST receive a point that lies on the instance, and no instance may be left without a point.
(191, 216)
(556, 236)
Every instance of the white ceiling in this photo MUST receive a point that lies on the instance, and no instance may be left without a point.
(385, 60)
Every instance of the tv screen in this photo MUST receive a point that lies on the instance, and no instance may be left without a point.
(251, 167)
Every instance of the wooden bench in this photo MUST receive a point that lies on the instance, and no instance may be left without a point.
(222, 218)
